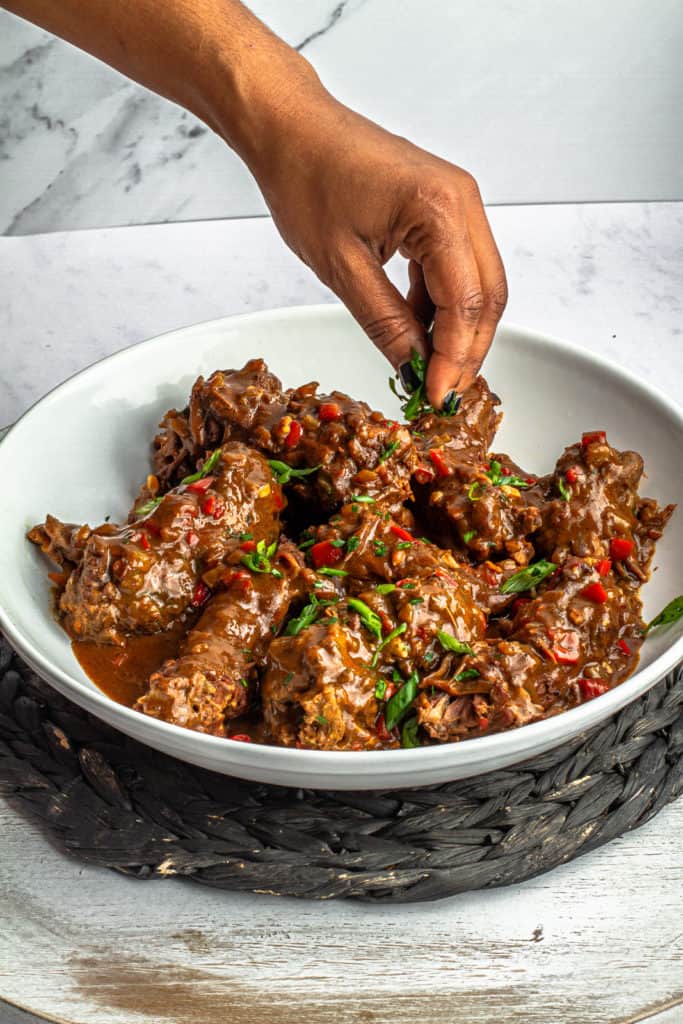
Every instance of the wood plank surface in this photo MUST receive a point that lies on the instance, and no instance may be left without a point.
(598, 941)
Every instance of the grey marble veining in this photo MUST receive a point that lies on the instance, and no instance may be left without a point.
(541, 102)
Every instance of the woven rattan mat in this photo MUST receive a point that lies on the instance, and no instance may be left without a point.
(111, 801)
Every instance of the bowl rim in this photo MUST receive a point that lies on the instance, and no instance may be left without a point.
(498, 746)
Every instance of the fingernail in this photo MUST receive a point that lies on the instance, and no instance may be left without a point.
(409, 379)
(450, 403)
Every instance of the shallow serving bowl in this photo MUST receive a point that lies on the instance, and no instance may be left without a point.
(81, 452)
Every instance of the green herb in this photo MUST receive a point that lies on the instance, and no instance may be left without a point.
(385, 588)
(306, 617)
(284, 473)
(338, 543)
(326, 571)
(352, 543)
(398, 705)
(472, 491)
(387, 640)
(672, 613)
(449, 643)
(321, 719)
(149, 506)
(355, 509)
(307, 544)
(416, 600)
(409, 732)
(288, 678)
(404, 544)
(499, 479)
(381, 689)
(528, 578)
(246, 536)
(380, 548)
(205, 470)
(565, 492)
(468, 673)
(363, 499)
(244, 683)
(260, 559)
(415, 403)
(470, 535)
(370, 619)
(246, 651)
(428, 657)
(388, 451)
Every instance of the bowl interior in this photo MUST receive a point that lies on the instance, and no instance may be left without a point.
(82, 451)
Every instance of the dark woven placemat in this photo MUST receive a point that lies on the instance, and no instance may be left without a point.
(112, 801)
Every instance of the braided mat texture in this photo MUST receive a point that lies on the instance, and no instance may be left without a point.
(111, 801)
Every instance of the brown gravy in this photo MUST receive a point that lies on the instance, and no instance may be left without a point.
(123, 672)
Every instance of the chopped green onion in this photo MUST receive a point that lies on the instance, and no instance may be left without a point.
(259, 560)
(409, 732)
(449, 643)
(404, 544)
(379, 547)
(370, 619)
(468, 673)
(472, 491)
(381, 689)
(416, 600)
(389, 451)
(326, 571)
(385, 588)
(398, 705)
(352, 543)
(364, 499)
(387, 640)
(565, 492)
(149, 506)
(284, 473)
(470, 535)
(205, 470)
(338, 543)
(528, 578)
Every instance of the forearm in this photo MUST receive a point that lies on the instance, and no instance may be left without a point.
(213, 57)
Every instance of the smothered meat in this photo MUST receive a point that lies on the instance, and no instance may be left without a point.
(335, 580)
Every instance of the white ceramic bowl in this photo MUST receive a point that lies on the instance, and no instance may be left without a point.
(82, 450)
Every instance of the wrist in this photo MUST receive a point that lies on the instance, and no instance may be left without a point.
(253, 99)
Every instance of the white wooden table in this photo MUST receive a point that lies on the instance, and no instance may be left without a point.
(598, 941)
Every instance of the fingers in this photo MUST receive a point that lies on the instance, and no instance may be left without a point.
(453, 281)
(418, 297)
(387, 318)
(465, 280)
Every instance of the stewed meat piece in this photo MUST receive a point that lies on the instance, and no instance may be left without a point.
(318, 689)
(593, 508)
(347, 446)
(142, 577)
(212, 679)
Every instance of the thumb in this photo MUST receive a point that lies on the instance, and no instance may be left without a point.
(381, 310)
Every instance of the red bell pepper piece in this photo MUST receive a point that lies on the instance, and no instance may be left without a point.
(593, 437)
(199, 486)
(436, 455)
(565, 646)
(248, 545)
(294, 434)
(620, 548)
(571, 476)
(324, 554)
(623, 646)
(399, 532)
(595, 592)
(201, 594)
(209, 505)
(241, 737)
(603, 566)
(424, 474)
(591, 688)
(329, 411)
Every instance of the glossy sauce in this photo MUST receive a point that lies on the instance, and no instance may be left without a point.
(123, 672)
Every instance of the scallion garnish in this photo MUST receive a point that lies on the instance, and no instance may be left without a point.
(208, 466)
(528, 578)
(449, 643)
(284, 473)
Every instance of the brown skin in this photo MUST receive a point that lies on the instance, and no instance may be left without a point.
(346, 195)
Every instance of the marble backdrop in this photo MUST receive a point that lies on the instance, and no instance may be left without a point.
(558, 101)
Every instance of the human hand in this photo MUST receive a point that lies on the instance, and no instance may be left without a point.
(346, 195)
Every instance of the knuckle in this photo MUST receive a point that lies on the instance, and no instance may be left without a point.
(472, 305)
(468, 186)
(386, 331)
(497, 298)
